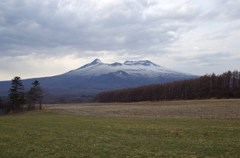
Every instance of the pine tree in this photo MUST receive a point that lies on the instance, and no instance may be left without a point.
(16, 94)
(35, 95)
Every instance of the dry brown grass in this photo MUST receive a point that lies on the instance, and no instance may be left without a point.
(218, 109)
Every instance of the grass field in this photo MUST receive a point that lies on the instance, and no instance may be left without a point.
(216, 109)
(99, 131)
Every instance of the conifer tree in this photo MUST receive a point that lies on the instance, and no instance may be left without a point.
(35, 95)
(16, 94)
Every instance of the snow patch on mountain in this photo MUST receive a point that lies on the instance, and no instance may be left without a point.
(144, 68)
(93, 63)
(140, 62)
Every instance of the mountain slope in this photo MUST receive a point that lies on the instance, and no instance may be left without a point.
(98, 76)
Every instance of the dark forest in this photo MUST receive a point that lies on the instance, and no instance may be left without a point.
(211, 86)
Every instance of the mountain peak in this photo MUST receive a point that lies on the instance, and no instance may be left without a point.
(140, 62)
(96, 61)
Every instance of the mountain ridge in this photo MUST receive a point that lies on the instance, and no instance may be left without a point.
(97, 76)
(137, 68)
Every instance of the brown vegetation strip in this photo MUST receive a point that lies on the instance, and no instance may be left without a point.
(219, 109)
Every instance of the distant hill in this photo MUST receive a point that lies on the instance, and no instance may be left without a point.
(226, 85)
(95, 77)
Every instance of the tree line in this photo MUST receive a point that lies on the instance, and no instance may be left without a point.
(226, 85)
(20, 100)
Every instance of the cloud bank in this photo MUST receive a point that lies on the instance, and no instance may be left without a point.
(184, 35)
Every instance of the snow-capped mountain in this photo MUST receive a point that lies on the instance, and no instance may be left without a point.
(142, 68)
(97, 76)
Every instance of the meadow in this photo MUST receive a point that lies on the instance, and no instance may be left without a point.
(207, 128)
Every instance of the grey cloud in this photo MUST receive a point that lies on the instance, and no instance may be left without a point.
(221, 10)
(125, 28)
(230, 9)
(215, 58)
(218, 58)
(33, 25)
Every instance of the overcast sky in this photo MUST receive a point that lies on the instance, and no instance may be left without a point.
(45, 38)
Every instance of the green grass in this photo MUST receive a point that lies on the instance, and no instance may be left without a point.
(55, 135)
